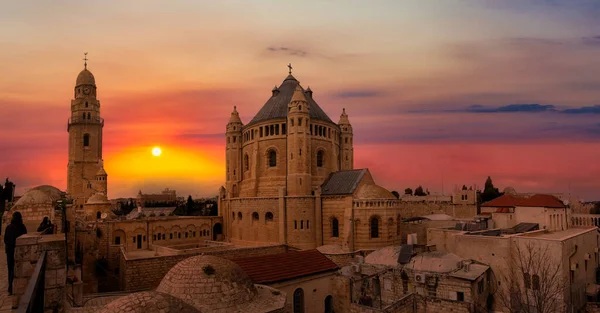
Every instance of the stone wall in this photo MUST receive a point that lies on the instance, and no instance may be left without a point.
(592, 307)
(435, 305)
(27, 254)
(148, 272)
(413, 208)
(253, 220)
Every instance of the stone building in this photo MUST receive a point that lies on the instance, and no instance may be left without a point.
(85, 171)
(35, 204)
(290, 179)
(166, 196)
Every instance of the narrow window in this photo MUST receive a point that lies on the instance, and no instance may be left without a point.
(295, 224)
(320, 158)
(164, 236)
(86, 104)
(300, 152)
(346, 139)
(311, 129)
(88, 115)
(335, 231)
(171, 236)
(117, 240)
(307, 224)
(276, 129)
(283, 129)
(374, 227)
(252, 134)
(240, 216)
(179, 236)
(246, 163)
(301, 224)
(234, 138)
(268, 217)
(86, 140)
(261, 131)
(292, 122)
(186, 235)
(272, 158)
(460, 296)
(300, 121)
(254, 216)
(299, 301)
(272, 130)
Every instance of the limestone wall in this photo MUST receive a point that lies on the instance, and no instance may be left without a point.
(411, 209)
(316, 290)
(253, 220)
(148, 272)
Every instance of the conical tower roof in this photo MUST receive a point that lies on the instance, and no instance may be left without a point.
(277, 106)
(235, 116)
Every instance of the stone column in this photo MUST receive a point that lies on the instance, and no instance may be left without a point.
(282, 217)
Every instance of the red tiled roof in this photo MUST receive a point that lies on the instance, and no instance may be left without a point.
(278, 267)
(537, 200)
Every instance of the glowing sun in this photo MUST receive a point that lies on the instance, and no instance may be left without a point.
(156, 151)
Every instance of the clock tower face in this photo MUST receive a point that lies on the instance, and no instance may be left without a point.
(86, 90)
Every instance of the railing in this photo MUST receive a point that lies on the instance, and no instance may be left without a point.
(33, 298)
(82, 120)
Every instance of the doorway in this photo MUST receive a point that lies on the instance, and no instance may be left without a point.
(139, 241)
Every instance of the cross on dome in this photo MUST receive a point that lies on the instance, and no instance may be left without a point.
(290, 67)
(85, 60)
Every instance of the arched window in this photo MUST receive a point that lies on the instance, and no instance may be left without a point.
(254, 216)
(299, 300)
(272, 158)
(86, 104)
(328, 304)
(246, 162)
(268, 217)
(86, 140)
(98, 215)
(320, 158)
(84, 115)
(335, 230)
(89, 115)
(374, 227)
(240, 216)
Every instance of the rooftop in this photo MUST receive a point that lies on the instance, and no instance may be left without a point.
(536, 200)
(559, 235)
(285, 266)
(342, 182)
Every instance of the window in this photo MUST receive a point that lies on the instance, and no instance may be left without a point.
(164, 236)
(346, 139)
(300, 122)
(272, 130)
(480, 286)
(432, 290)
(292, 121)
(261, 131)
(186, 235)
(536, 282)
(295, 224)
(240, 216)
(328, 304)
(171, 236)
(234, 138)
(117, 240)
(98, 215)
(276, 129)
(179, 236)
(268, 217)
(86, 104)
(320, 158)
(527, 280)
(374, 227)
(246, 162)
(460, 296)
(254, 216)
(301, 224)
(272, 158)
(88, 115)
(283, 129)
(335, 230)
(300, 152)
(86, 140)
(299, 300)
(307, 224)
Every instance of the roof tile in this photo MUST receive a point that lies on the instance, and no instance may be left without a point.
(342, 182)
(536, 200)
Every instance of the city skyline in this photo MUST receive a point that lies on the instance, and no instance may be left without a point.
(435, 93)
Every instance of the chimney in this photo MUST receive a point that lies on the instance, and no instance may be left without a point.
(139, 209)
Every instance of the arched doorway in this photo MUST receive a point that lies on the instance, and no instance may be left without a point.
(328, 304)
(217, 230)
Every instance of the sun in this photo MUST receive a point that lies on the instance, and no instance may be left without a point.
(156, 151)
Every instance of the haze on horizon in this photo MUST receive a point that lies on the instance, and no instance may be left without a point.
(439, 94)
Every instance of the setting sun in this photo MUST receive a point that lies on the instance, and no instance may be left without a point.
(156, 151)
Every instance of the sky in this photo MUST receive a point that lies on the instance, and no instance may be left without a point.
(439, 93)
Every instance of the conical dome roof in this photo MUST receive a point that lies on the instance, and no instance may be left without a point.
(85, 77)
(344, 118)
(235, 116)
(277, 106)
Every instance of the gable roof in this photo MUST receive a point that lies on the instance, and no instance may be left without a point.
(284, 266)
(277, 106)
(342, 182)
(536, 200)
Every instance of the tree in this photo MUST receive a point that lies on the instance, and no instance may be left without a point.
(464, 187)
(489, 191)
(396, 194)
(189, 205)
(534, 282)
(419, 191)
(595, 209)
(408, 191)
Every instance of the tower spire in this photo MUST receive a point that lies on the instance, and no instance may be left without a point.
(85, 60)
(290, 68)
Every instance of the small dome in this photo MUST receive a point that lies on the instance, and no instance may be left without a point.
(372, 191)
(148, 302)
(196, 280)
(510, 191)
(40, 195)
(85, 77)
(435, 261)
(98, 198)
(235, 117)
(344, 118)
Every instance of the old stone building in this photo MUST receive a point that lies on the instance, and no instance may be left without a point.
(290, 179)
(85, 171)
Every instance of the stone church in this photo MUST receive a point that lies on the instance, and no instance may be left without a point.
(290, 179)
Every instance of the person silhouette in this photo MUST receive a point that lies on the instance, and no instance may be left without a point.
(46, 227)
(15, 229)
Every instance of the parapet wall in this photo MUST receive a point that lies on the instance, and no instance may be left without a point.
(146, 273)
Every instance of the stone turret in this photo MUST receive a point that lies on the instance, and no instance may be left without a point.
(233, 152)
(346, 143)
(298, 143)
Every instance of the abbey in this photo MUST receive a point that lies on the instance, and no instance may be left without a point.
(290, 179)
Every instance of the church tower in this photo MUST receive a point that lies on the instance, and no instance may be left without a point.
(85, 171)
(298, 145)
(346, 144)
(233, 152)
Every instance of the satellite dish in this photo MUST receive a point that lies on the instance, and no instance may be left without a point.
(104, 215)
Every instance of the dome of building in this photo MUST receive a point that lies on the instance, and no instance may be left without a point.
(210, 283)
(435, 261)
(85, 77)
(98, 198)
(510, 191)
(277, 106)
(148, 302)
(44, 194)
(372, 191)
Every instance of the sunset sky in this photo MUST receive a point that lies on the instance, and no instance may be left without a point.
(440, 93)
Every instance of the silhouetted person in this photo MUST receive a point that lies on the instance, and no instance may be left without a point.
(15, 229)
(46, 227)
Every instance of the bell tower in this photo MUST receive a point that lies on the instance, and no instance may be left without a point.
(298, 145)
(346, 144)
(85, 170)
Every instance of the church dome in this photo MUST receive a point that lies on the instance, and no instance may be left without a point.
(277, 106)
(211, 283)
(44, 194)
(85, 77)
(510, 191)
(148, 302)
(98, 198)
(372, 191)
